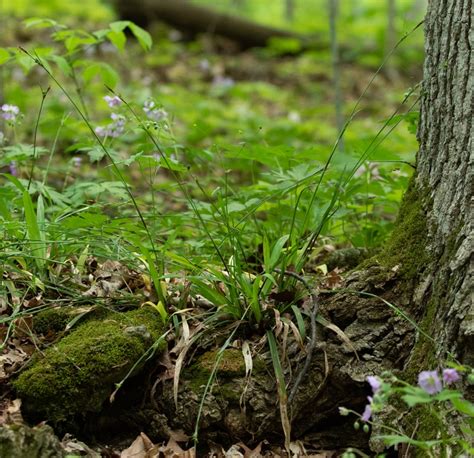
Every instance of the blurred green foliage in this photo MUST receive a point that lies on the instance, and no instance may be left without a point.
(61, 10)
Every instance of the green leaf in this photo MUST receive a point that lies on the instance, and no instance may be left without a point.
(447, 395)
(108, 75)
(393, 439)
(118, 39)
(63, 64)
(162, 311)
(255, 302)
(463, 406)
(33, 230)
(96, 154)
(119, 26)
(413, 400)
(180, 260)
(41, 23)
(171, 164)
(4, 55)
(143, 37)
(234, 207)
(276, 252)
(208, 292)
(299, 321)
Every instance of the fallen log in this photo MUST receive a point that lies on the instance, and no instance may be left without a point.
(195, 19)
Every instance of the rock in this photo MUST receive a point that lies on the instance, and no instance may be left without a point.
(80, 372)
(20, 441)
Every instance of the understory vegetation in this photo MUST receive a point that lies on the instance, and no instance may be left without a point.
(172, 193)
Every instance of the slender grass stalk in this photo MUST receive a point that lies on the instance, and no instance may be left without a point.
(35, 134)
(175, 176)
(116, 169)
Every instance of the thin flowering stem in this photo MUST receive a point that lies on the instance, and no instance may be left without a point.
(53, 147)
(44, 94)
(177, 179)
(38, 61)
(79, 92)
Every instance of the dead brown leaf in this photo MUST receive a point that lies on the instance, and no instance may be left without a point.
(142, 447)
(173, 450)
(333, 279)
(10, 361)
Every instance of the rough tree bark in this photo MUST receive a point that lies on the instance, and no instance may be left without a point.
(445, 175)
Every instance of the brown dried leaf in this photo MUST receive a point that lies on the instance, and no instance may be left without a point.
(11, 361)
(173, 450)
(249, 453)
(333, 279)
(34, 301)
(142, 447)
(339, 332)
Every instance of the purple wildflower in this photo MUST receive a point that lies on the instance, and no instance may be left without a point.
(119, 120)
(9, 112)
(224, 82)
(154, 113)
(102, 131)
(13, 169)
(114, 129)
(430, 382)
(374, 382)
(450, 376)
(77, 161)
(367, 411)
(112, 101)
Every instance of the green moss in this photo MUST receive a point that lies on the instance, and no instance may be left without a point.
(407, 244)
(51, 320)
(231, 364)
(79, 373)
(231, 368)
(423, 354)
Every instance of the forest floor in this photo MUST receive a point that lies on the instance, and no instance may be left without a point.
(191, 221)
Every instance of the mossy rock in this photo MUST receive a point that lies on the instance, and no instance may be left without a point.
(80, 372)
(20, 441)
(55, 320)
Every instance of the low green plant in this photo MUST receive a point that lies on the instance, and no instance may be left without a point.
(445, 425)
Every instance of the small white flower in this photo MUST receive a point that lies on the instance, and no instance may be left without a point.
(294, 116)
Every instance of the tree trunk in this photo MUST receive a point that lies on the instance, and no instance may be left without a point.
(445, 176)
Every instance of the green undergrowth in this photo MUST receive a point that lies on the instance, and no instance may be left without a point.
(76, 375)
